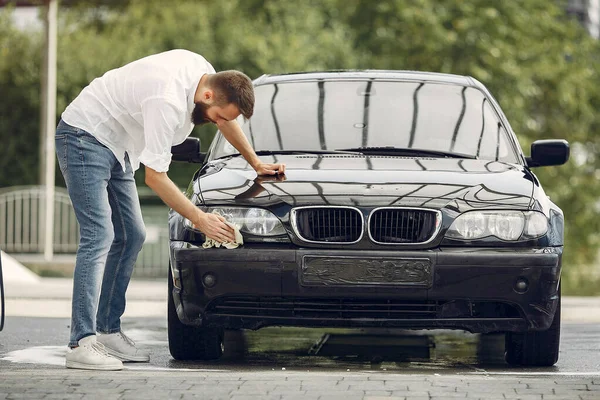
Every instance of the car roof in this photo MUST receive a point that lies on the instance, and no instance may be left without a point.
(420, 76)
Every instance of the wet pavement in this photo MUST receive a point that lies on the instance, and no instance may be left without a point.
(37, 342)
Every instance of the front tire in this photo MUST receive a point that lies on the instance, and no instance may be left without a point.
(190, 342)
(535, 349)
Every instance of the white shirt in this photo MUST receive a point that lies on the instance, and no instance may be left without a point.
(142, 108)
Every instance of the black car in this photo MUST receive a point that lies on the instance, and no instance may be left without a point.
(407, 203)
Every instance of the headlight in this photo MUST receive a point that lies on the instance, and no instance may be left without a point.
(255, 221)
(505, 225)
(262, 223)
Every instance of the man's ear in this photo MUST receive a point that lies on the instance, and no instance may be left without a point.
(208, 95)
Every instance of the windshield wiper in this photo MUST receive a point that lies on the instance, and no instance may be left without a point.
(401, 151)
(285, 152)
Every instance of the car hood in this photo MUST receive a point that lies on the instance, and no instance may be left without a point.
(370, 181)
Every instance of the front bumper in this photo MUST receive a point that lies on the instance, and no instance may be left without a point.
(471, 289)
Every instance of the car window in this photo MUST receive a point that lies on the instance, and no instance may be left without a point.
(329, 115)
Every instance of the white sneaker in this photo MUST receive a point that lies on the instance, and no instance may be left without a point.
(123, 348)
(91, 355)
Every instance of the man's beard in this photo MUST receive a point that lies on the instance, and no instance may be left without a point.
(199, 116)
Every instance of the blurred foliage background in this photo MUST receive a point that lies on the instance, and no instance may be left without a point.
(540, 65)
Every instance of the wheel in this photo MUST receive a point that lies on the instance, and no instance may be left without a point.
(190, 342)
(535, 349)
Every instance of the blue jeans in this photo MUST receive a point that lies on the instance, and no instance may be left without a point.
(112, 231)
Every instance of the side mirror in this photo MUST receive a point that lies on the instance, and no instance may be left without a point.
(188, 151)
(548, 152)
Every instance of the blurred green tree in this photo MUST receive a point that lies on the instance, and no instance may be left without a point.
(20, 60)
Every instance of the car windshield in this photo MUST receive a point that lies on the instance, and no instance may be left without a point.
(352, 114)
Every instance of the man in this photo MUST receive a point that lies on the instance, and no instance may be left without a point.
(132, 115)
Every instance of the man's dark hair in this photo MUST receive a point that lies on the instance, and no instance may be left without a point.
(233, 87)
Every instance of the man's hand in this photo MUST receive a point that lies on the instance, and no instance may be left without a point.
(214, 227)
(269, 169)
(234, 135)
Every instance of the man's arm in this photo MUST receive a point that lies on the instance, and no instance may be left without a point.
(160, 120)
(212, 225)
(234, 135)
